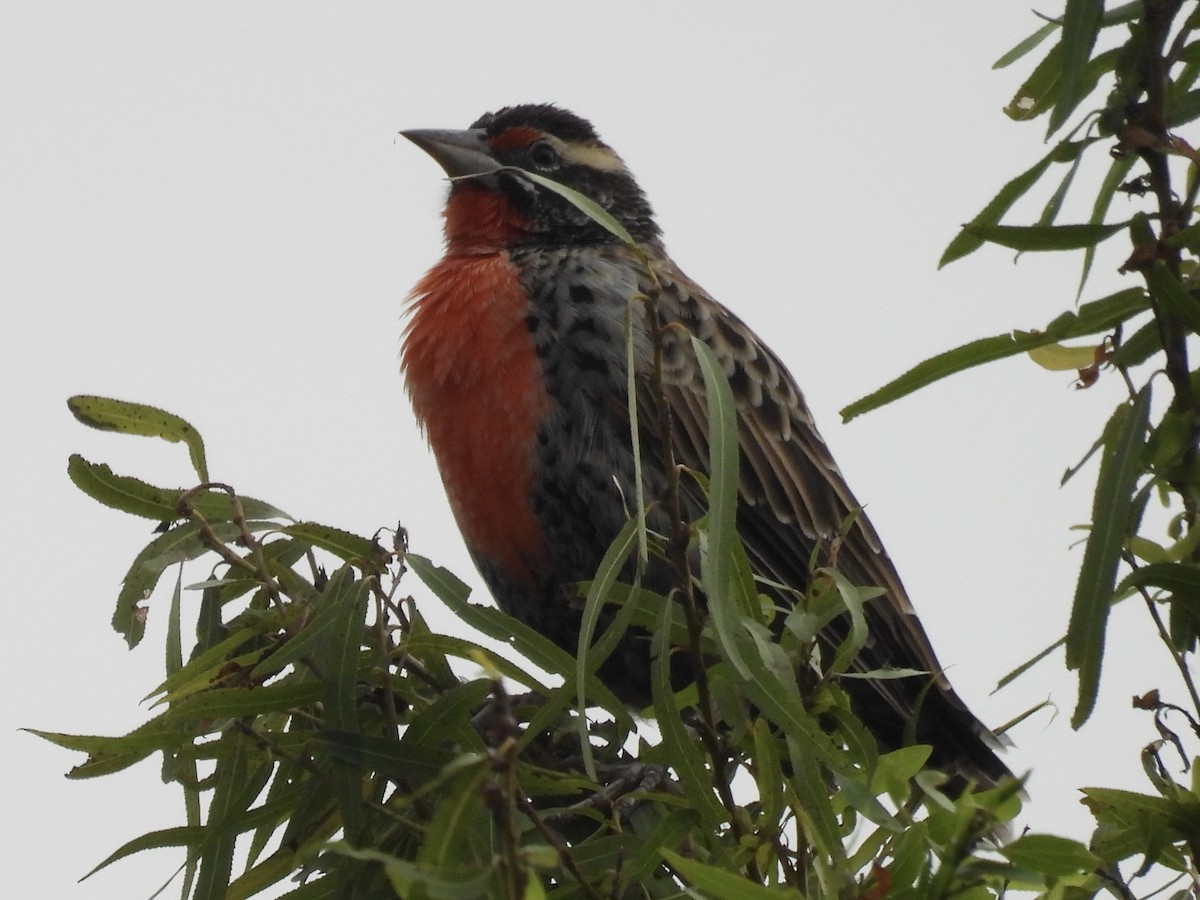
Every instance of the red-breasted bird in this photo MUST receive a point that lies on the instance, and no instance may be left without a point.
(515, 361)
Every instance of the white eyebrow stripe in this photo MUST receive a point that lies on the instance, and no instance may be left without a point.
(590, 155)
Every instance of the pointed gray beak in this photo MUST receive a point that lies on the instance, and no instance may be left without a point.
(460, 153)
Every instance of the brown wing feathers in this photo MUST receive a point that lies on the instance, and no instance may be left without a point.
(793, 495)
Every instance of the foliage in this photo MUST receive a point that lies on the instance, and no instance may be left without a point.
(1144, 58)
(320, 728)
(319, 724)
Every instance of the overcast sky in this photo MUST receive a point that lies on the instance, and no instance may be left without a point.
(206, 208)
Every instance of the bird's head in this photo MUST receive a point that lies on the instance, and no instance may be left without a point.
(492, 202)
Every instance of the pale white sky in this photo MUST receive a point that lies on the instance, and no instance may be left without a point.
(205, 208)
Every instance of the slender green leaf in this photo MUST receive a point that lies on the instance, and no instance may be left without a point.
(614, 561)
(855, 791)
(535, 647)
(1081, 23)
(284, 794)
(314, 815)
(635, 438)
(1054, 205)
(204, 668)
(1126, 12)
(1112, 803)
(230, 799)
(1062, 357)
(174, 654)
(107, 414)
(420, 879)
(685, 755)
(461, 811)
(1044, 237)
(433, 659)
(1104, 195)
(111, 754)
(427, 645)
(274, 869)
(182, 836)
(234, 703)
(1099, 315)
(122, 492)
(966, 242)
(717, 557)
(132, 495)
(1050, 854)
(720, 883)
(448, 719)
(1180, 579)
(347, 601)
(279, 555)
(1120, 468)
(584, 204)
(1026, 45)
(1183, 109)
(1036, 93)
(768, 771)
(405, 762)
(788, 713)
(895, 769)
(673, 830)
(853, 597)
(177, 545)
(1137, 349)
(1185, 239)
(814, 804)
(350, 547)
(1172, 296)
(1024, 667)
(448, 587)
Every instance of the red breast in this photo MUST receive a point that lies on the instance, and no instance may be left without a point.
(473, 376)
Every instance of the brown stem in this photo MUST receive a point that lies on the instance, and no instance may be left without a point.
(553, 839)
(1165, 636)
(258, 568)
(1159, 16)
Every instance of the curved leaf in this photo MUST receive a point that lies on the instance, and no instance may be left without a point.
(1104, 196)
(1179, 579)
(1173, 296)
(350, 547)
(965, 242)
(717, 556)
(1026, 45)
(1099, 315)
(132, 495)
(1044, 237)
(106, 414)
(680, 748)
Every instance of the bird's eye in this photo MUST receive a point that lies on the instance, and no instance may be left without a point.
(543, 155)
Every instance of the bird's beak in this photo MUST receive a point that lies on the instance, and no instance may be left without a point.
(460, 153)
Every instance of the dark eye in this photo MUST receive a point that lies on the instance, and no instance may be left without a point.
(543, 155)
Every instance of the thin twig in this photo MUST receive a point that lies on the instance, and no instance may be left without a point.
(552, 838)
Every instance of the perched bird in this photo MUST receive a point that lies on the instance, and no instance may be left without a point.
(515, 361)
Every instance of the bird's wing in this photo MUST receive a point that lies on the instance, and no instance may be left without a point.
(792, 500)
(792, 494)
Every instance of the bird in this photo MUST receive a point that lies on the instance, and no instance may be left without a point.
(514, 360)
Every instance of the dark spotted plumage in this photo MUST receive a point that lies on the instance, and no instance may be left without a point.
(515, 362)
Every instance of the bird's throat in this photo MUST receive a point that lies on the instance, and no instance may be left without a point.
(479, 219)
